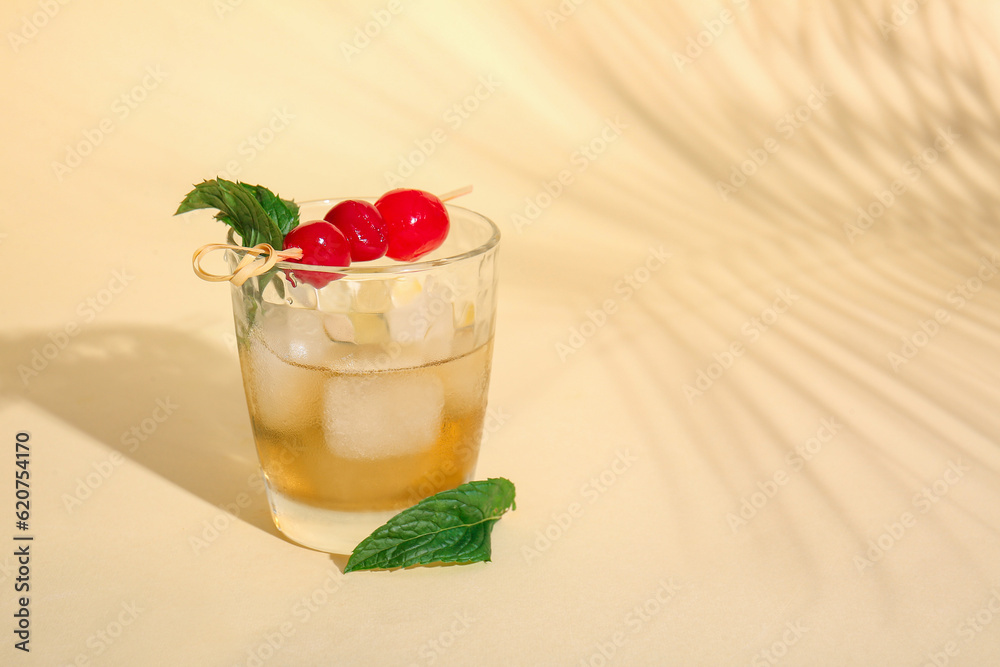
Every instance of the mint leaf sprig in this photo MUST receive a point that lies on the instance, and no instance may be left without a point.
(453, 526)
(254, 212)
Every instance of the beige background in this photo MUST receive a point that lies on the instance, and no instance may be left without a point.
(628, 538)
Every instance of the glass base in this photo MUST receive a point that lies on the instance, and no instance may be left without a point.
(321, 529)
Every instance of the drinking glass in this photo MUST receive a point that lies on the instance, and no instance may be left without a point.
(369, 393)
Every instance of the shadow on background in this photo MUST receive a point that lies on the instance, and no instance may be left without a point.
(165, 399)
(872, 208)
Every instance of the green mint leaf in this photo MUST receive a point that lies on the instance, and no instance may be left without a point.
(449, 527)
(284, 212)
(239, 208)
(208, 195)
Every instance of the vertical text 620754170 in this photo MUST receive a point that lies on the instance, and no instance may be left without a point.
(22, 542)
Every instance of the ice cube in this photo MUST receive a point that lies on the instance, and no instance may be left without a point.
(463, 342)
(372, 297)
(339, 327)
(295, 335)
(283, 397)
(465, 314)
(406, 325)
(419, 312)
(405, 289)
(362, 358)
(437, 342)
(273, 291)
(301, 293)
(369, 328)
(466, 380)
(381, 415)
(336, 297)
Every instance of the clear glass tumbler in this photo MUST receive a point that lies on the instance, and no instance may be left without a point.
(369, 393)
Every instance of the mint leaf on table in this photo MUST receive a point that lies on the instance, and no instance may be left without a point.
(253, 211)
(453, 526)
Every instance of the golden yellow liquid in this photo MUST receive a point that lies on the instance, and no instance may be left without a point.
(304, 459)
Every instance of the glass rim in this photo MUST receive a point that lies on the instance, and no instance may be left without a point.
(398, 267)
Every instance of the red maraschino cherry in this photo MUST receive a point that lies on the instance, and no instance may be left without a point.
(416, 222)
(322, 244)
(363, 226)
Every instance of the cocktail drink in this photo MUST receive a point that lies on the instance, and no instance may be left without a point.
(367, 385)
